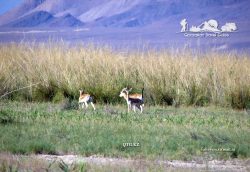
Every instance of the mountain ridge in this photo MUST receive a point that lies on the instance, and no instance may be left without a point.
(116, 13)
(43, 18)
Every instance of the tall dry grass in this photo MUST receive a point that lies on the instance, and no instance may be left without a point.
(180, 77)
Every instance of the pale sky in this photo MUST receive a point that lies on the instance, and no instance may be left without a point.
(6, 5)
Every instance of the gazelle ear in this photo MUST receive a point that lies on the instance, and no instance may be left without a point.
(129, 89)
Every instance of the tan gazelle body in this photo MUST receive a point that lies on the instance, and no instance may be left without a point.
(85, 99)
(133, 100)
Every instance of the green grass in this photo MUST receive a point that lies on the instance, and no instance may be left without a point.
(162, 132)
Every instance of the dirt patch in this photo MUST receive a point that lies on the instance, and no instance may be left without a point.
(214, 165)
(94, 163)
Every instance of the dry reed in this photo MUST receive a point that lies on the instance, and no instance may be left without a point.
(169, 77)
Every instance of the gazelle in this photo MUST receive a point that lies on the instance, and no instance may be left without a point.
(84, 99)
(133, 100)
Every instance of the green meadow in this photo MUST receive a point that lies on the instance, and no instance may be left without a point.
(185, 133)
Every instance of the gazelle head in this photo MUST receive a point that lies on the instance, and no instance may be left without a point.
(124, 92)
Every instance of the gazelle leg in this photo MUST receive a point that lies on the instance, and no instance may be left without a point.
(86, 105)
(82, 104)
(134, 108)
(141, 108)
(92, 105)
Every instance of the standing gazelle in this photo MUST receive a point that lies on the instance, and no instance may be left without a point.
(133, 100)
(84, 99)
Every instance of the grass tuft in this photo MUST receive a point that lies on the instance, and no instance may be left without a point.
(169, 78)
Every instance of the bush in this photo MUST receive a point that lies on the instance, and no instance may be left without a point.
(5, 117)
(240, 98)
(42, 147)
(59, 97)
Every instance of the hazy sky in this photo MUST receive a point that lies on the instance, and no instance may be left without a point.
(5, 5)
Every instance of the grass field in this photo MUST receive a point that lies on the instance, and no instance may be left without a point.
(185, 133)
(196, 104)
(178, 77)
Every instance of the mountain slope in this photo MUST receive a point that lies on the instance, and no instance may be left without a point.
(109, 9)
(72, 7)
(121, 13)
(43, 18)
(20, 10)
(151, 11)
(57, 8)
(67, 20)
(31, 20)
